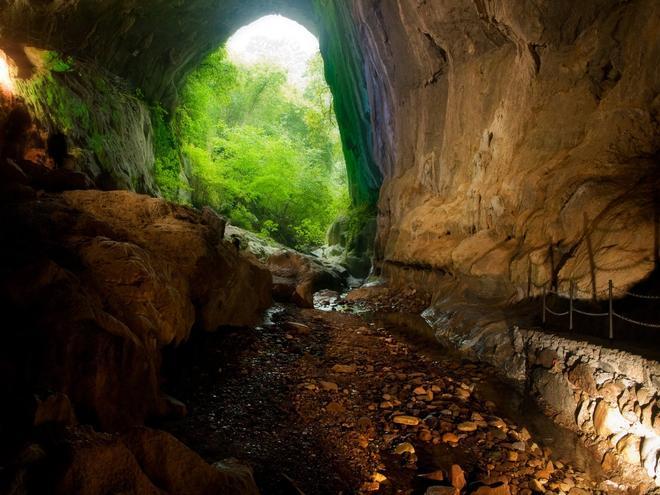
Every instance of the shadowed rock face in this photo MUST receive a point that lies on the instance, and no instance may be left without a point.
(518, 141)
(94, 286)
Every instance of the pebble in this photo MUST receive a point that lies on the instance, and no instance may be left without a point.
(344, 368)
(536, 486)
(370, 486)
(299, 328)
(406, 420)
(425, 436)
(405, 447)
(467, 426)
(450, 437)
(378, 477)
(329, 386)
(518, 446)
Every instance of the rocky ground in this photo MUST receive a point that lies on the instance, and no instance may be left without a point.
(324, 402)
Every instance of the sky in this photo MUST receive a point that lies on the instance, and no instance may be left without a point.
(275, 39)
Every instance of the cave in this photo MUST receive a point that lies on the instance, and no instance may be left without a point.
(483, 321)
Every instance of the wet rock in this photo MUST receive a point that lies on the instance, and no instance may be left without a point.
(406, 420)
(172, 408)
(139, 282)
(142, 462)
(404, 448)
(344, 368)
(297, 328)
(330, 386)
(457, 477)
(307, 274)
(215, 221)
(467, 426)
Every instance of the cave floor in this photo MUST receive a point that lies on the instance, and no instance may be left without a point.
(313, 408)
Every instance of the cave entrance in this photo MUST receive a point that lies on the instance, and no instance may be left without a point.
(259, 136)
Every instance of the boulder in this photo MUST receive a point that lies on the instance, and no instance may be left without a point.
(141, 461)
(297, 276)
(97, 283)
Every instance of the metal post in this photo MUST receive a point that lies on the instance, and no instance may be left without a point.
(611, 312)
(570, 306)
(543, 318)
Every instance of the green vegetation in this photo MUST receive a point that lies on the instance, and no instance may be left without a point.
(256, 149)
(54, 62)
(53, 101)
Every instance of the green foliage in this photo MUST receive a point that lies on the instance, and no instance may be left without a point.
(358, 219)
(54, 62)
(258, 150)
(54, 101)
(167, 165)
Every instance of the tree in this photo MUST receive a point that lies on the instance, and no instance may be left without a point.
(262, 152)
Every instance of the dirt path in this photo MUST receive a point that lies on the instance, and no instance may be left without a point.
(330, 404)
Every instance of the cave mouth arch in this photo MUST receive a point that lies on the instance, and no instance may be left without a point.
(257, 133)
(154, 46)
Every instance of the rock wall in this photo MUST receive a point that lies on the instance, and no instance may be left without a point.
(95, 284)
(521, 138)
(518, 140)
(107, 128)
(609, 396)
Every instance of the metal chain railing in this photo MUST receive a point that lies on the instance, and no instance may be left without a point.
(611, 314)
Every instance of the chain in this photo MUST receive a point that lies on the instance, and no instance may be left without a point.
(556, 314)
(641, 323)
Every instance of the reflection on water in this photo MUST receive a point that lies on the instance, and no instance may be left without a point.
(565, 444)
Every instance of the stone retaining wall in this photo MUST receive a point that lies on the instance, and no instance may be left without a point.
(609, 396)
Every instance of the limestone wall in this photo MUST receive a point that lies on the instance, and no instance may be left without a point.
(521, 138)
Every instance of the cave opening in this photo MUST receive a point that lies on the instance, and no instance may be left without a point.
(256, 133)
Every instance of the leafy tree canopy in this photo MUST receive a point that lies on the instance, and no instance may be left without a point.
(256, 149)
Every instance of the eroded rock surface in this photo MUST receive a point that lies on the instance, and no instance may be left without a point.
(521, 140)
(95, 284)
(296, 276)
